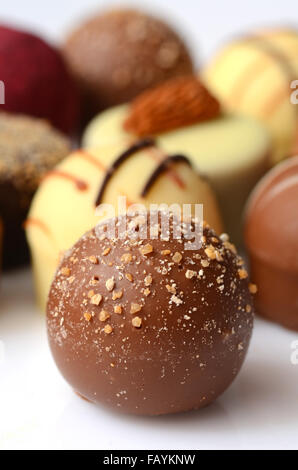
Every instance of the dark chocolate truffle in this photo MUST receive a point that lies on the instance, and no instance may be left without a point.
(29, 147)
(36, 80)
(271, 237)
(116, 55)
(148, 326)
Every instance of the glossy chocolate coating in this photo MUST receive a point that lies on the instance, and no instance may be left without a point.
(181, 334)
(271, 236)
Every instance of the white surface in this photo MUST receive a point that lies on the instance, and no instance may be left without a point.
(205, 23)
(38, 410)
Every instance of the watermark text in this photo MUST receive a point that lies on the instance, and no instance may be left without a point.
(161, 221)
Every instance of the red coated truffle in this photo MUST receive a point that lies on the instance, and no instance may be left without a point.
(148, 326)
(36, 80)
(271, 237)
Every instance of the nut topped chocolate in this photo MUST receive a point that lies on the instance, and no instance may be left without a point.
(177, 103)
(183, 115)
(146, 325)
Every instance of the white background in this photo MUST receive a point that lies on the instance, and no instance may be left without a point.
(37, 408)
(206, 23)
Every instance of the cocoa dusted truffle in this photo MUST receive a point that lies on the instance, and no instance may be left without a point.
(271, 236)
(116, 55)
(36, 80)
(146, 325)
(29, 147)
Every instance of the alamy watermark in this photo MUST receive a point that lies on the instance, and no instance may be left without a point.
(294, 94)
(158, 221)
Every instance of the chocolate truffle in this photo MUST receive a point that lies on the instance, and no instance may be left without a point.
(119, 53)
(28, 148)
(232, 151)
(271, 236)
(64, 206)
(146, 325)
(36, 81)
(252, 76)
(1, 243)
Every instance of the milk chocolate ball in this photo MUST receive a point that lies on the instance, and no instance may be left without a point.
(148, 326)
(119, 53)
(271, 236)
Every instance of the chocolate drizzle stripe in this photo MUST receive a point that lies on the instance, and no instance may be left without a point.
(37, 223)
(91, 159)
(158, 155)
(257, 68)
(136, 147)
(80, 184)
(272, 105)
(162, 167)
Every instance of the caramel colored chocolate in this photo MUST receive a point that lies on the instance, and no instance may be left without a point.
(146, 326)
(271, 236)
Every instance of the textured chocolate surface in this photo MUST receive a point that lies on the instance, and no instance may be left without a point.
(146, 326)
(29, 147)
(271, 236)
(118, 54)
